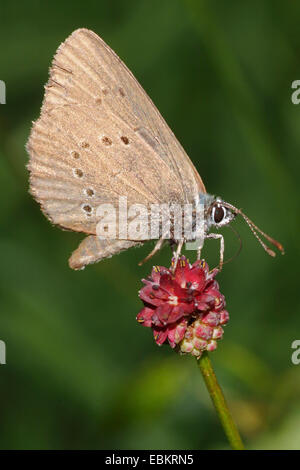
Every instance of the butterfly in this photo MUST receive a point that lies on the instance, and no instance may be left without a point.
(99, 137)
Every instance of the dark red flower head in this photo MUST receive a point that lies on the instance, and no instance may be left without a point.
(173, 302)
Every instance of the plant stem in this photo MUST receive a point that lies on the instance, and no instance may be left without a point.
(219, 402)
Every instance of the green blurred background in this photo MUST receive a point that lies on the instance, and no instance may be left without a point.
(81, 373)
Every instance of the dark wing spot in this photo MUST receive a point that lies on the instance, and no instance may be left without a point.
(75, 154)
(87, 209)
(125, 140)
(78, 172)
(84, 144)
(90, 192)
(106, 140)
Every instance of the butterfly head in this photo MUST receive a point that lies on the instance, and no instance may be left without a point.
(218, 214)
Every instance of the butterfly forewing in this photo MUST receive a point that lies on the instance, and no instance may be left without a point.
(99, 137)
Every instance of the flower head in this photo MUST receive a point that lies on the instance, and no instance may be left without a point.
(184, 308)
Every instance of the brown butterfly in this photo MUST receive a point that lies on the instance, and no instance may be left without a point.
(100, 137)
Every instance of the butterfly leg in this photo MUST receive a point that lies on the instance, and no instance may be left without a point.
(173, 246)
(155, 250)
(217, 236)
(177, 254)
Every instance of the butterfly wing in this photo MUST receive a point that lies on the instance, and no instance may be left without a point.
(99, 137)
(92, 249)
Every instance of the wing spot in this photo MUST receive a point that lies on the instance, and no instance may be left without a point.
(84, 144)
(106, 141)
(122, 92)
(125, 140)
(89, 192)
(78, 173)
(98, 100)
(75, 154)
(87, 209)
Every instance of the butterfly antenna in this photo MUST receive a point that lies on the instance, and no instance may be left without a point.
(256, 229)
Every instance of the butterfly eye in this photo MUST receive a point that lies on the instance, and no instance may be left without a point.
(218, 214)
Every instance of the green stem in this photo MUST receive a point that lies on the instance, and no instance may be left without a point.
(219, 402)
